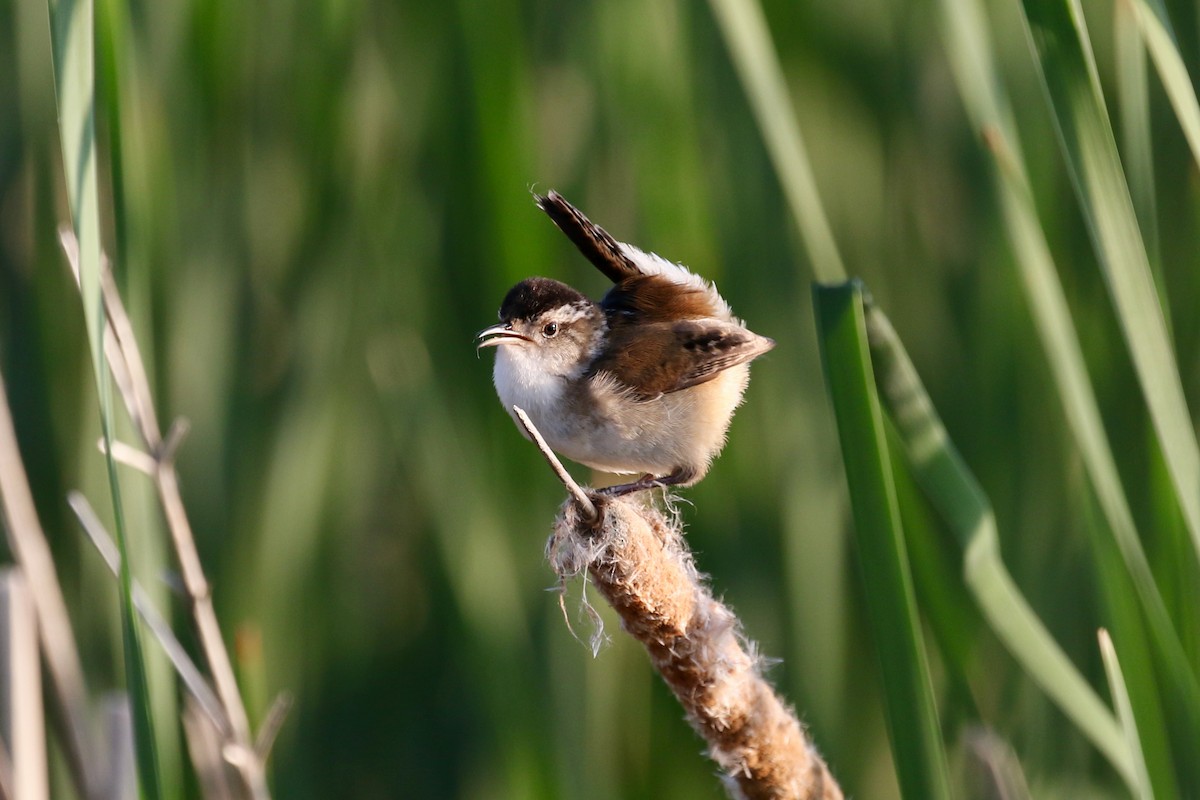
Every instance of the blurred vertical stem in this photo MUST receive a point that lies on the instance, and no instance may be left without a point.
(21, 713)
(72, 31)
(912, 715)
(29, 548)
(742, 24)
(1133, 101)
(111, 42)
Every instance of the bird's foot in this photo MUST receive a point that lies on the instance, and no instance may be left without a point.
(681, 475)
(620, 490)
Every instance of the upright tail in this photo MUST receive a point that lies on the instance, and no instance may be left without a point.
(593, 241)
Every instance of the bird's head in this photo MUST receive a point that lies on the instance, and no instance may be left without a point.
(546, 326)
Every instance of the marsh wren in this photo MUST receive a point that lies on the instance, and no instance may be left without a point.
(643, 382)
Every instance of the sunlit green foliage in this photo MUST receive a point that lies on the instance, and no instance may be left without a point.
(323, 202)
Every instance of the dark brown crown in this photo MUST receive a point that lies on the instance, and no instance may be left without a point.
(534, 296)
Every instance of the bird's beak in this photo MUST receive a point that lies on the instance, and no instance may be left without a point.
(498, 335)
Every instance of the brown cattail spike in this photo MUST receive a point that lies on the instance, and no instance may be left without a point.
(638, 561)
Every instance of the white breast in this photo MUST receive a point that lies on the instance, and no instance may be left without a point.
(618, 433)
(521, 381)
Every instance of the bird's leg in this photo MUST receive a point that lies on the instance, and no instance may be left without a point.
(678, 476)
(622, 489)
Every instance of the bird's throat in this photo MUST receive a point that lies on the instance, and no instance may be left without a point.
(520, 380)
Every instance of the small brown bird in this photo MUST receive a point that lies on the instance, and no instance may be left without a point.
(643, 382)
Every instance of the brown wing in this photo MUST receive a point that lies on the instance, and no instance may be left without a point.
(593, 241)
(653, 298)
(663, 357)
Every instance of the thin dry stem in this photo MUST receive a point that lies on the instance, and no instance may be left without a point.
(988, 766)
(32, 553)
(125, 360)
(130, 456)
(121, 781)
(269, 730)
(204, 746)
(21, 689)
(581, 497)
(184, 666)
(137, 391)
(112, 350)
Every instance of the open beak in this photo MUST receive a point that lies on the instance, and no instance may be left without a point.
(498, 335)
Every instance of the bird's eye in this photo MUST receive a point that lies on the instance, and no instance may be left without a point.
(549, 329)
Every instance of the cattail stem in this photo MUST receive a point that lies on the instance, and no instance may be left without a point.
(640, 564)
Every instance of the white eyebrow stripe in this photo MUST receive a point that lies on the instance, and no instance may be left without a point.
(572, 313)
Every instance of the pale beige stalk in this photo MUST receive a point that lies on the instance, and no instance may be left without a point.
(32, 553)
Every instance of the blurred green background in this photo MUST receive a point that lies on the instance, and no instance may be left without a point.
(326, 200)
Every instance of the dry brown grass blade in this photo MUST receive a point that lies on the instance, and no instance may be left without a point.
(21, 714)
(204, 747)
(268, 731)
(129, 373)
(32, 553)
(192, 679)
(989, 768)
(120, 782)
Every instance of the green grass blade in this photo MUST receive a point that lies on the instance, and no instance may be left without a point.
(1133, 104)
(1068, 70)
(131, 637)
(912, 716)
(974, 69)
(112, 43)
(742, 24)
(951, 616)
(954, 491)
(71, 31)
(1116, 684)
(1156, 32)
(975, 72)
(1141, 679)
(1083, 417)
(72, 25)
